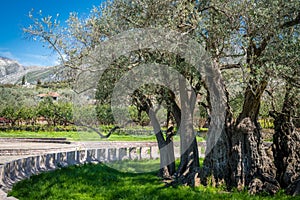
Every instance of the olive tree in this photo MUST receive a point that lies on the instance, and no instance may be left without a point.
(241, 35)
(81, 37)
(248, 38)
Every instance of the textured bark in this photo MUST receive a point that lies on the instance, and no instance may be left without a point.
(215, 169)
(250, 164)
(286, 145)
(239, 158)
(252, 98)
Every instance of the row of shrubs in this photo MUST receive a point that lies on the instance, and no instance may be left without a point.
(38, 128)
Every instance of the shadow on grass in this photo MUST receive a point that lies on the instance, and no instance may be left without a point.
(136, 166)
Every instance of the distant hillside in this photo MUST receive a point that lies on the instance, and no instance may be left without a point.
(11, 72)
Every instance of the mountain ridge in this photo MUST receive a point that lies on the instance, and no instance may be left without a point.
(12, 72)
(9, 66)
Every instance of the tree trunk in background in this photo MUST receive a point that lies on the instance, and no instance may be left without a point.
(286, 145)
(165, 145)
(166, 148)
(189, 167)
(215, 169)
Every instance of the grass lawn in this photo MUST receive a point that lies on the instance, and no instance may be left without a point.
(81, 136)
(75, 136)
(103, 182)
(42, 134)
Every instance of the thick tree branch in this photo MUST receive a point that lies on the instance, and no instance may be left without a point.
(265, 41)
(230, 66)
(291, 23)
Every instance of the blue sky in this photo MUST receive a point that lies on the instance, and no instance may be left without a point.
(14, 16)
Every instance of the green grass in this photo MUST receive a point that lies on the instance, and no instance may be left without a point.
(43, 134)
(74, 136)
(91, 181)
(135, 166)
(81, 136)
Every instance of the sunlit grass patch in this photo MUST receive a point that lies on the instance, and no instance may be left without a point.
(136, 166)
(82, 136)
(103, 182)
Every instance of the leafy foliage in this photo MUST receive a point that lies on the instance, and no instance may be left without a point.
(255, 42)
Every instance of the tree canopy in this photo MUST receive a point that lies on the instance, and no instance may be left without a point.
(255, 44)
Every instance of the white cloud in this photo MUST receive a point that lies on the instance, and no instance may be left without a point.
(39, 60)
(31, 59)
(7, 54)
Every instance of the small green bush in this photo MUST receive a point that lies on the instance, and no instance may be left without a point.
(267, 123)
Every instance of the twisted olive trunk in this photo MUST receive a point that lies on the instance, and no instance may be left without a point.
(249, 163)
(286, 144)
(240, 158)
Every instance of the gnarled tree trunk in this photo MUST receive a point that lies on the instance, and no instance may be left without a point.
(249, 163)
(286, 145)
(215, 169)
(240, 158)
